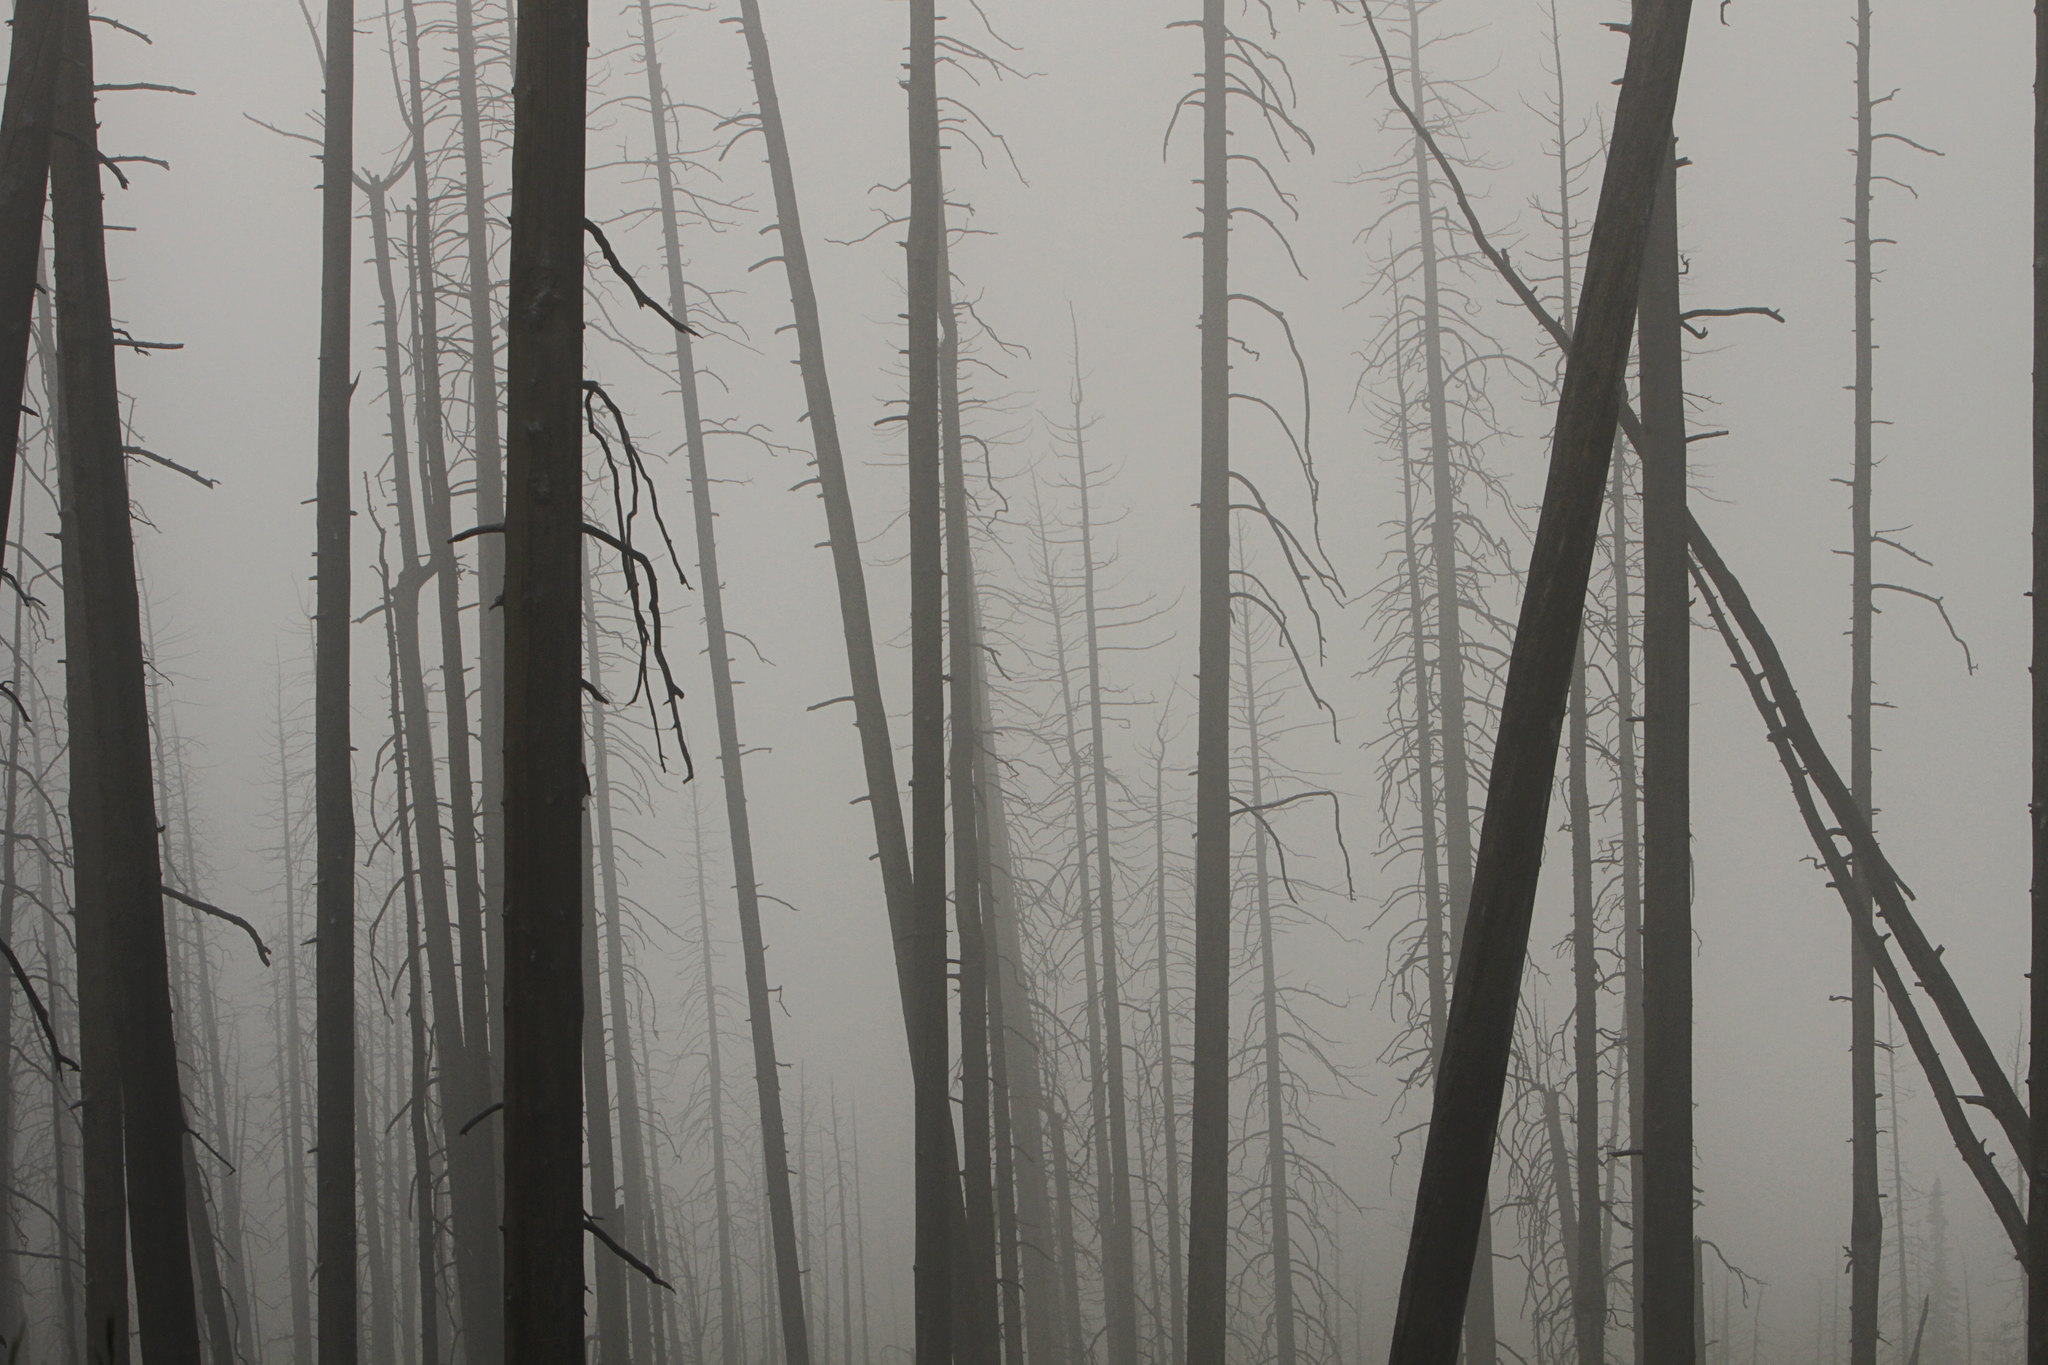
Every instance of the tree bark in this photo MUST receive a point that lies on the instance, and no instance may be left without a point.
(2036, 1259)
(544, 776)
(119, 878)
(25, 120)
(1451, 1196)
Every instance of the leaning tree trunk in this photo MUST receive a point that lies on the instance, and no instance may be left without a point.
(334, 908)
(1665, 1169)
(115, 857)
(544, 779)
(1209, 1128)
(1451, 1196)
(789, 1284)
(1866, 1212)
(32, 60)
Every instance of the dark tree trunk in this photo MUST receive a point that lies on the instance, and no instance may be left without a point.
(937, 1179)
(2036, 1261)
(1866, 1211)
(32, 59)
(544, 778)
(334, 932)
(119, 880)
(1666, 1163)
(1209, 1128)
(1451, 1197)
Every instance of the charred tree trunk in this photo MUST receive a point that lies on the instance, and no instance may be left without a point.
(544, 777)
(937, 1179)
(25, 119)
(1451, 1196)
(1666, 1163)
(2036, 1260)
(1866, 1211)
(119, 880)
(1209, 1128)
(334, 906)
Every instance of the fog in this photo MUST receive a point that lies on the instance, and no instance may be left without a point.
(1072, 174)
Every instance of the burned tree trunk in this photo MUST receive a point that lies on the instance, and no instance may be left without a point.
(119, 879)
(25, 119)
(544, 778)
(1451, 1198)
(1209, 1127)
(334, 913)
(1665, 1236)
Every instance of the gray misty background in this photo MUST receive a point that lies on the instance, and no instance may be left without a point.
(1079, 214)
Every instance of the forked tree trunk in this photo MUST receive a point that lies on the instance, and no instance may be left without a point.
(119, 879)
(544, 777)
(1666, 1165)
(1209, 1129)
(1451, 1196)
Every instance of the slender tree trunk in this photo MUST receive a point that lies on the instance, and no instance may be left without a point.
(1666, 1168)
(632, 1135)
(1866, 1211)
(1209, 1129)
(1279, 1228)
(714, 1084)
(1076, 1345)
(1169, 1113)
(25, 120)
(1589, 1277)
(1119, 1263)
(980, 1326)
(613, 1343)
(426, 1219)
(119, 880)
(61, 1120)
(2036, 1261)
(12, 1321)
(1451, 1195)
(298, 1255)
(484, 1006)
(544, 776)
(334, 931)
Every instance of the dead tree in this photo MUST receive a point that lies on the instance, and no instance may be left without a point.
(1451, 1197)
(25, 120)
(2035, 1261)
(119, 880)
(1665, 1237)
(543, 773)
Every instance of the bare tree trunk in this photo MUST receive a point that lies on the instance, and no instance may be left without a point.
(1076, 1343)
(483, 1004)
(1866, 1212)
(119, 881)
(1589, 1269)
(613, 1344)
(25, 120)
(1628, 794)
(632, 1138)
(1118, 1257)
(544, 775)
(976, 1257)
(68, 1297)
(1169, 1113)
(12, 1321)
(1666, 1168)
(714, 1083)
(1209, 1128)
(2036, 1259)
(298, 1255)
(1451, 1196)
(426, 1219)
(1279, 1228)
(334, 1002)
